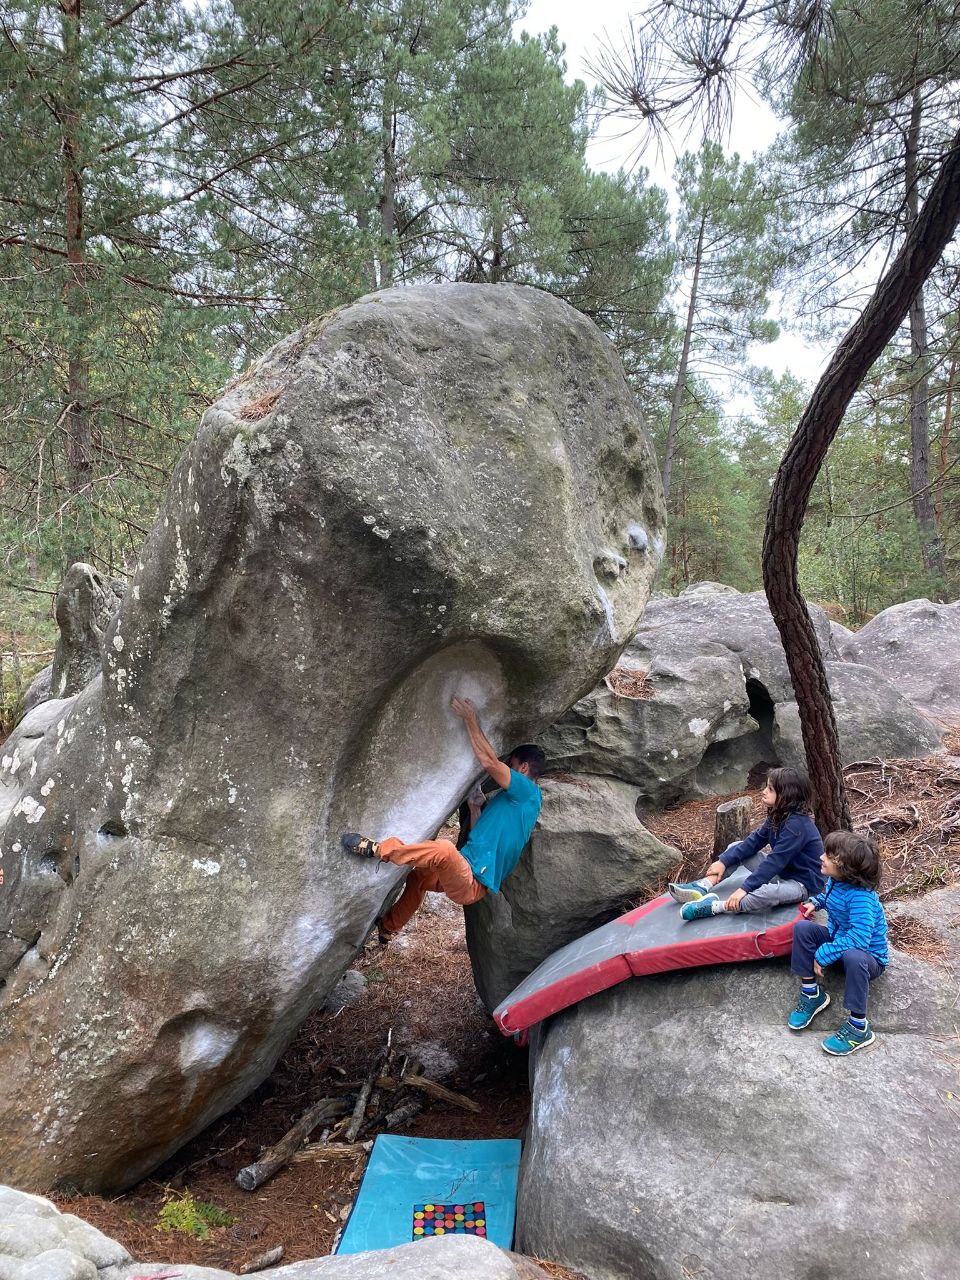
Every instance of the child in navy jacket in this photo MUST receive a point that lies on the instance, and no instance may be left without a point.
(855, 935)
(789, 873)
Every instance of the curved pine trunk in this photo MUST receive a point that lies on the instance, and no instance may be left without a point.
(801, 463)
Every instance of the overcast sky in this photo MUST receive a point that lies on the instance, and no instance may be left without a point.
(584, 27)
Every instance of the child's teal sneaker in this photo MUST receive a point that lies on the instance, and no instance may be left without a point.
(709, 905)
(687, 891)
(847, 1039)
(807, 1009)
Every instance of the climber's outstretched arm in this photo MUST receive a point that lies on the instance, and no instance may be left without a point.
(482, 749)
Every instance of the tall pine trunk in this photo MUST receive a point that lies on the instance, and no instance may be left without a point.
(931, 548)
(496, 258)
(76, 413)
(945, 444)
(849, 365)
(388, 192)
(677, 402)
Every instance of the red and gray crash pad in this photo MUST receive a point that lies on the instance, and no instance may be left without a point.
(652, 938)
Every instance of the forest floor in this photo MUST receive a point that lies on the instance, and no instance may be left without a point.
(421, 987)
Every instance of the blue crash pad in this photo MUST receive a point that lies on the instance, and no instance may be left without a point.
(414, 1188)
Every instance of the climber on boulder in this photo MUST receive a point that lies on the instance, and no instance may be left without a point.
(496, 839)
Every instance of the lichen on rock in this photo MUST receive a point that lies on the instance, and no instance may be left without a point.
(421, 512)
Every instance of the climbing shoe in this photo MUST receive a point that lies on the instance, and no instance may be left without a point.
(708, 905)
(353, 842)
(687, 891)
(847, 1039)
(807, 1009)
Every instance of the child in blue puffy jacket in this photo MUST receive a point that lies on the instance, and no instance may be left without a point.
(855, 936)
(789, 873)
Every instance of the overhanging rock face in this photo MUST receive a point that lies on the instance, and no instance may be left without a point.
(435, 490)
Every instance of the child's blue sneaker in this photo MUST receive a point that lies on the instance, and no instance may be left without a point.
(807, 1009)
(687, 891)
(848, 1039)
(700, 910)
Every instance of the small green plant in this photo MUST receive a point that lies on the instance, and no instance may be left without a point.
(195, 1218)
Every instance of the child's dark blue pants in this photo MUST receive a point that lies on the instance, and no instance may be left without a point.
(860, 967)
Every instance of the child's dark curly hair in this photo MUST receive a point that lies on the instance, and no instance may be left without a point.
(794, 794)
(856, 856)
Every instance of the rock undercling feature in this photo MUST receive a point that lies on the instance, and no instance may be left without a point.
(435, 490)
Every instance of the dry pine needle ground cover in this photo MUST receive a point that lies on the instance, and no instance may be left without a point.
(423, 989)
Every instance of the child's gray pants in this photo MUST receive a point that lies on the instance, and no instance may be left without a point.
(776, 893)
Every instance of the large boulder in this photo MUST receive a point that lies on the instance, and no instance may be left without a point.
(589, 859)
(715, 701)
(679, 1129)
(916, 646)
(38, 1242)
(874, 720)
(435, 490)
(39, 688)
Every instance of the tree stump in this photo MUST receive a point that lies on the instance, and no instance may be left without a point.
(734, 820)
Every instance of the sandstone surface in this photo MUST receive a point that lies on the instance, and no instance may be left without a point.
(709, 1141)
(717, 702)
(434, 490)
(916, 646)
(37, 1242)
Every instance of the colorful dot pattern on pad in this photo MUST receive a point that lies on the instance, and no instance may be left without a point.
(469, 1218)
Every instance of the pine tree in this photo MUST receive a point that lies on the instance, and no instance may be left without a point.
(729, 236)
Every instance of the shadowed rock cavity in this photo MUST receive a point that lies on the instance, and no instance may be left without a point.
(410, 498)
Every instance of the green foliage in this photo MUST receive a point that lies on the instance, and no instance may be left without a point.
(712, 533)
(859, 548)
(197, 1218)
(732, 219)
(180, 185)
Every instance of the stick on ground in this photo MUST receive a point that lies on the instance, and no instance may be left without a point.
(435, 1090)
(274, 1159)
(324, 1151)
(359, 1111)
(262, 1261)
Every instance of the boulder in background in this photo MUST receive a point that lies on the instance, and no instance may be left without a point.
(916, 646)
(718, 703)
(589, 859)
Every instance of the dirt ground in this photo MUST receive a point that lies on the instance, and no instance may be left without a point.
(421, 987)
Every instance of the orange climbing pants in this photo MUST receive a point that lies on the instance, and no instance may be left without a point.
(437, 867)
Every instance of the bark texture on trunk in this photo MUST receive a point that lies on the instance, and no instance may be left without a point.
(388, 194)
(931, 549)
(76, 415)
(671, 446)
(945, 444)
(801, 464)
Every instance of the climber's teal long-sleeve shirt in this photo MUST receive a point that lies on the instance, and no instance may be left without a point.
(494, 846)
